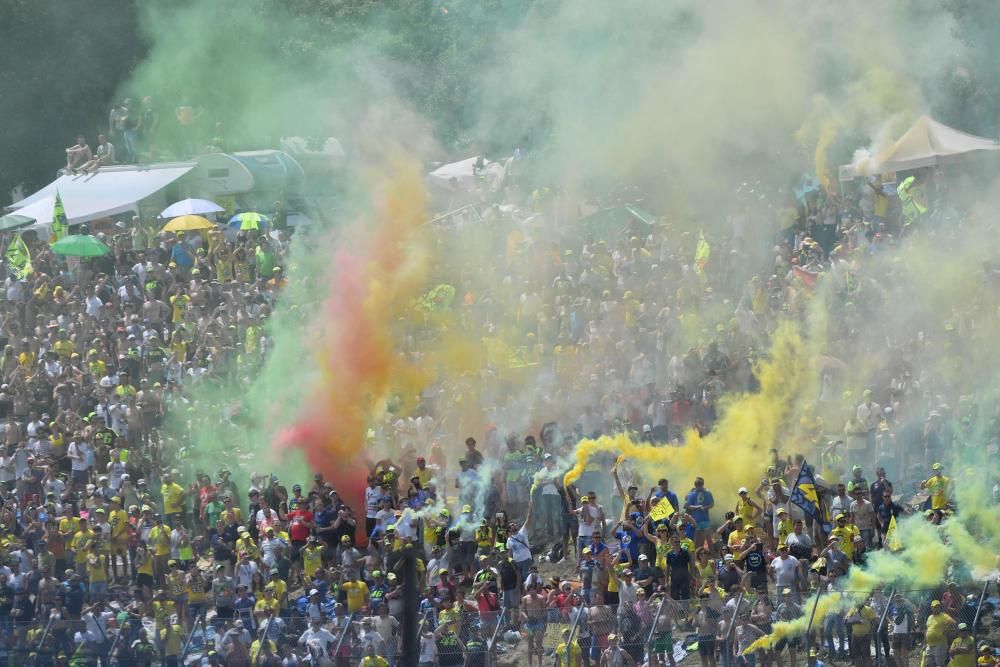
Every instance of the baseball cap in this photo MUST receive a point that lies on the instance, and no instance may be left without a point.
(466, 509)
(936, 466)
(727, 557)
(743, 489)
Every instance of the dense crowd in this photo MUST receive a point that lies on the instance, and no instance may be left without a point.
(117, 550)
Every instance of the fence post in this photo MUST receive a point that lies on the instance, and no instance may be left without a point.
(340, 639)
(652, 628)
(881, 623)
(812, 616)
(496, 631)
(187, 643)
(975, 620)
(732, 624)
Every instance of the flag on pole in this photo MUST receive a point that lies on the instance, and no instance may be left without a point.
(805, 496)
(60, 225)
(892, 540)
(702, 253)
(18, 259)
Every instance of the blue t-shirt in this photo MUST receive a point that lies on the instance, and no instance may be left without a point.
(630, 541)
(182, 256)
(700, 497)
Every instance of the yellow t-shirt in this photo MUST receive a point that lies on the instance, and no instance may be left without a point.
(118, 520)
(846, 535)
(937, 487)
(176, 585)
(263, 604)
(963, 659)
(173, 498)
(195, 588)
(179, 304)
(357, 595)
(236, 512)
(864, 629)
(26, 359)
(147, 565)
(171, 640)
(280, 590)
(736, 538)
(159, 539)
(81, 541)
(246, 544)
(63, 348)
(312, 560)
(575, 655)
(374, 661)
(784, 530)
(746, 511)
(162, 611)
(938, 626)
(95, 568)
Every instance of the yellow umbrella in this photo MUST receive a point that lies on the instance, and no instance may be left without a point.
(187, 223)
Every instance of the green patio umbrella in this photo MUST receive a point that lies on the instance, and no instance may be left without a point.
(77, 245)
(13, 221)
(248, 221)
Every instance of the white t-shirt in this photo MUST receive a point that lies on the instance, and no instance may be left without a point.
(80, 449)
(587, 529)
(520, 546)
(428, 650)
(784, 571)
(372, 499)
(94, 304)
(317, 641)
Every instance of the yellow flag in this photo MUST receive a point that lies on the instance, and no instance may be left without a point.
(60, 224)
(662, 510)
(18, 259)
(701, 254)
(892, 540)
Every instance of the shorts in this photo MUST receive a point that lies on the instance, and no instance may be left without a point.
(79, 476)
(466, 554)
(900, 641)
(144, 580)
(706, 646)
(704, 525)
(296, 554)
(510, 599)
(665, 643)
(535, 626)
(935, 656)
(517, 493)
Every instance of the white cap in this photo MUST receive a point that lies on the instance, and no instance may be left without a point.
(743, 489)
(313, 591)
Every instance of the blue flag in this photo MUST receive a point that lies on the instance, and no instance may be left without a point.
(805, 496)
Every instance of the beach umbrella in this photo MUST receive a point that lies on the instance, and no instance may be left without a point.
(12, 221)
(77, 245)
(187, 223)
(249, 220)
(191, 207)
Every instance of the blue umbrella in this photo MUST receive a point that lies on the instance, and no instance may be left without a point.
(249, 220)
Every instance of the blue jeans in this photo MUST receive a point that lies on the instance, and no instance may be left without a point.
(835, 624)
(131, 137)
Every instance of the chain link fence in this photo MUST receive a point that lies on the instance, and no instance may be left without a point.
(885, 627)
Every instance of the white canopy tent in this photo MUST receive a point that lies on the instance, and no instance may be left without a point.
(927, 143)
(109, 191)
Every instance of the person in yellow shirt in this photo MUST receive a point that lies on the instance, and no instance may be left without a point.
(171, 637)
(118, 522)
(96, 365)
(939, 488)
(246, 544)
(846, 533)
(963, 648)
(739, 533)
(747, 508)
(231, 511)
(268, 601)
(357, 591)
(179, 304)
(63, 346)
(68, 525)
(143, 564)
(197, 598)
(860, 621)
(173, 499)
(312, 558)
(372, 660)
(97, 571)
(159, 543)
(177, 589)
(784, 527)
(162, 609)
(280, 588)
(939, 627)
(568, 653)
(80, 544)
(27, 357)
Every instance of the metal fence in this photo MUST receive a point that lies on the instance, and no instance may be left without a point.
(562, 628)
